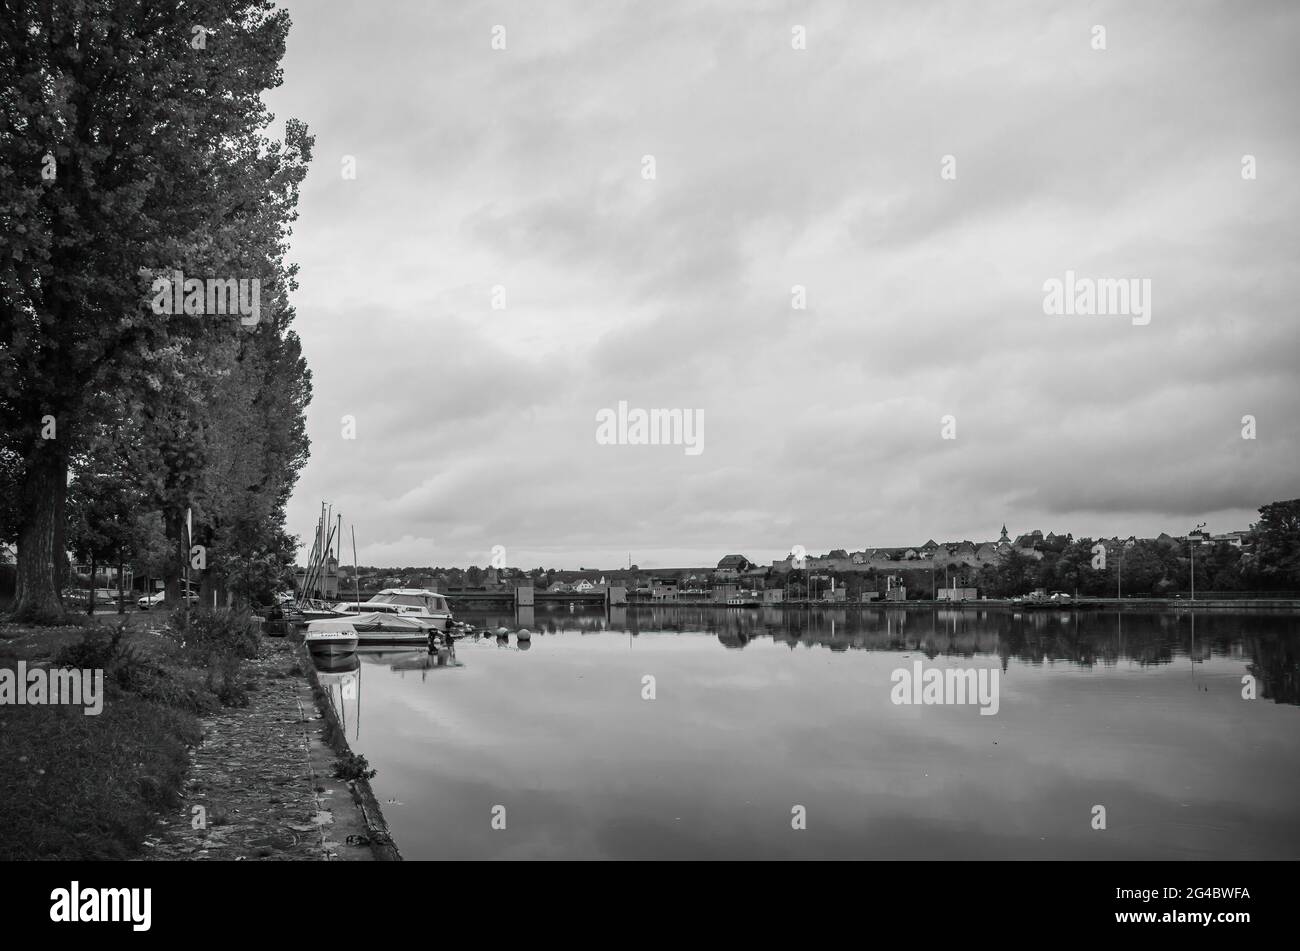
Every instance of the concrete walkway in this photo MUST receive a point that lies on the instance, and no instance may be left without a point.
(262, 778)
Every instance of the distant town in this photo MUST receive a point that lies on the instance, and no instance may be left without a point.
(1262, 558)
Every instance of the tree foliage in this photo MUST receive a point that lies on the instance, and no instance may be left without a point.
(132, 147)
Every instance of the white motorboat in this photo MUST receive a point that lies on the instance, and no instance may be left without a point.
(380, 627)
(331, 638)
(419, 603)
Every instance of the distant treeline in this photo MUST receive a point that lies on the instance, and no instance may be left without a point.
(1156, 567)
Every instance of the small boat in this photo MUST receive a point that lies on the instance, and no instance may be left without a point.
(379, 627)
(331, 638)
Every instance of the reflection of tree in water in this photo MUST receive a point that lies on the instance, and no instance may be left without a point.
(1276, 667)
(733, 639)
(1087, 638)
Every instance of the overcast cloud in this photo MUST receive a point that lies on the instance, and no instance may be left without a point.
(775, 167)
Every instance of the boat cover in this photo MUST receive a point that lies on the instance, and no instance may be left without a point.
(376, 622)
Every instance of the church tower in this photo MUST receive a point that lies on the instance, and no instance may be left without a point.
(1004, 540)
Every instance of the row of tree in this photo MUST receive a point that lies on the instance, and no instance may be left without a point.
(1160, 566)
(133, 147)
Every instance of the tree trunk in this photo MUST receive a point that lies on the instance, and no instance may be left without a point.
(90, 604)
(44, 487)
(61, 565)
(176, 566)
(121, 600)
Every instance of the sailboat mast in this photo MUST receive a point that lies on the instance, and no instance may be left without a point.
(356, 574)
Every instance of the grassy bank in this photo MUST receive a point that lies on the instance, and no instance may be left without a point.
(90, 787)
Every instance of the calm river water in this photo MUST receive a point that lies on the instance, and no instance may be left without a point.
(763, 720)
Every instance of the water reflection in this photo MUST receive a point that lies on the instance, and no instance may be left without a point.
(408, 659)
(340, 678)
(1085, 638)
(759, 709)
(340, 674)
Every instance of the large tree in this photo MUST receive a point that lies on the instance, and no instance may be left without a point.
(131, 145)
(1277, 543)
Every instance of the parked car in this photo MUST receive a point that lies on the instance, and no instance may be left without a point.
(150, 601)
(153, 600)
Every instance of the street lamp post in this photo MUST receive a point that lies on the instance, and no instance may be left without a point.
(1191, 555)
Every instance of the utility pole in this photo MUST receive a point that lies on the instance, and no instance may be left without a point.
(1191, 555)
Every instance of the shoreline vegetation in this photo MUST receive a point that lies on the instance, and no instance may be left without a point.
(209, 745)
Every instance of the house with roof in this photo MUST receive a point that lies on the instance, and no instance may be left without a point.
(730, 567)
(1030, 545)
(663, 589)
(965, 551)
(1235, 539)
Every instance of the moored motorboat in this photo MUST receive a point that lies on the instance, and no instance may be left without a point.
(380, 627)
(427, 606)
(331, 638)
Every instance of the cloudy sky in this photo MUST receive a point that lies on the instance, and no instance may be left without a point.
(774, 167)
